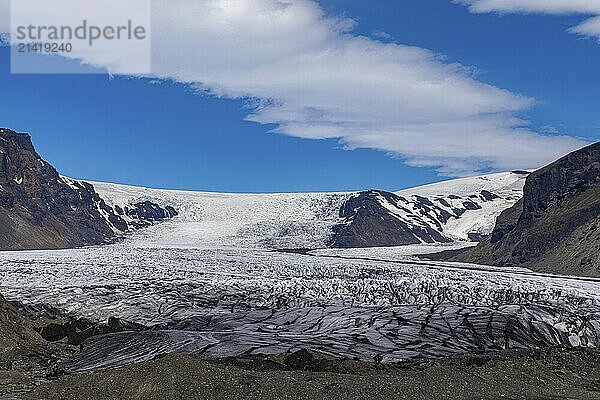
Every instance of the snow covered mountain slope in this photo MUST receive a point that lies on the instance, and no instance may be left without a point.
(473, 203)
(457, 210)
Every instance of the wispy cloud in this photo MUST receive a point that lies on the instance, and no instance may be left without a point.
(589, 27)
(312, 77)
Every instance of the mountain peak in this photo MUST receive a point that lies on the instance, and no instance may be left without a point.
(22, 140)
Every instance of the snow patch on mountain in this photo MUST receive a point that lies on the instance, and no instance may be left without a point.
(472, 203)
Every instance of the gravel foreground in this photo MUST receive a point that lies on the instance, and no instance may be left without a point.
(541, 375)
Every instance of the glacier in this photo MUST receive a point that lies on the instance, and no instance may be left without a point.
(211, 281)
(458, 209)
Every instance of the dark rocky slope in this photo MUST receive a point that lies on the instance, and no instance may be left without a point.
(377, 218)
(39, 209)
(368, 223)
(556, 226)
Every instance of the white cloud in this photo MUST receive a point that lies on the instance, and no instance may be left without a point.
(313, 78)
(4, 16)
(590, 27)
(534, 6)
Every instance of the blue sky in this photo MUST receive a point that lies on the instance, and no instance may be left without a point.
(136, 130)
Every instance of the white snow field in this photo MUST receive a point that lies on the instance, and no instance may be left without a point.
(209, 282)
(233, 220)
(394, 253)
(304, 220)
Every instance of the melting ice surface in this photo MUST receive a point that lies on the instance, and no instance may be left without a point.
(209, 282)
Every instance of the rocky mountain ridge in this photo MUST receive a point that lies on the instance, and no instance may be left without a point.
(556, 226)
(39, 209)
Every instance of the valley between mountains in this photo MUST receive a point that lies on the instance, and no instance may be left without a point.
(113, 276)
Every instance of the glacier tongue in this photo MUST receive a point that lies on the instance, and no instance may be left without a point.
(409, 334)
(233, 301)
